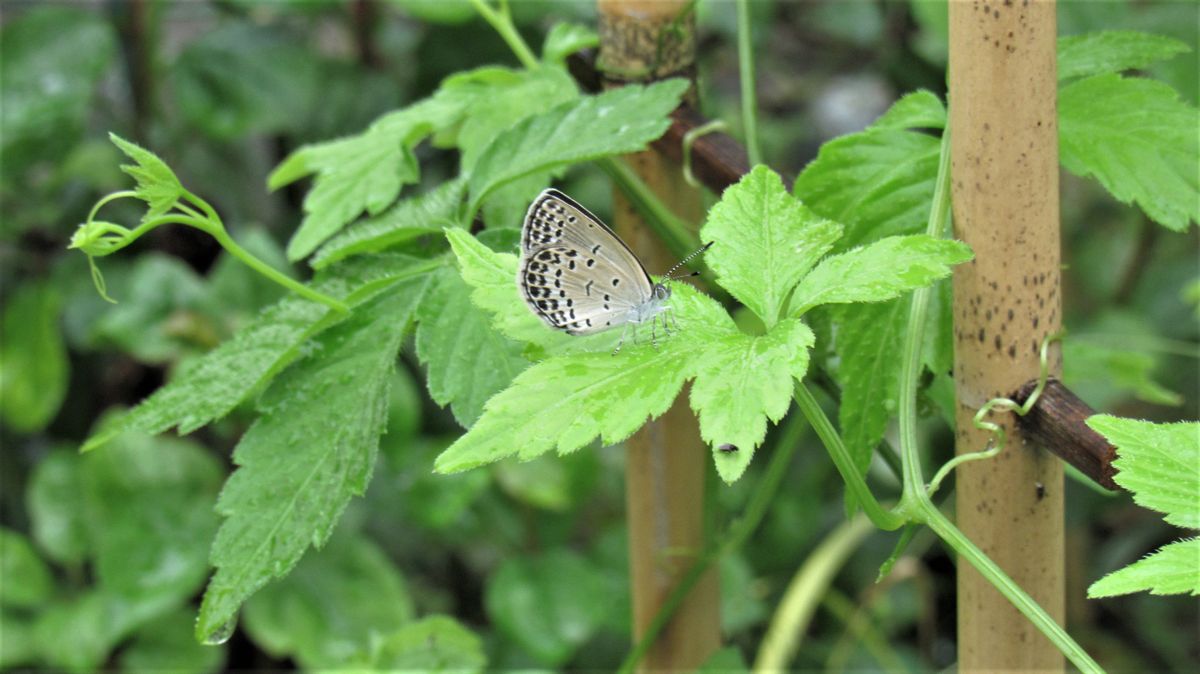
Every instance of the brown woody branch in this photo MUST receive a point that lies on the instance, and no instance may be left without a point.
(1057, 424)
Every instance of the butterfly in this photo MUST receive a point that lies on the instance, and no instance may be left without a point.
(578, 277)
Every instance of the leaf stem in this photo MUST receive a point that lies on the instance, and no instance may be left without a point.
(675, 233)
(880, 517)
(746, 75)
(501, 21)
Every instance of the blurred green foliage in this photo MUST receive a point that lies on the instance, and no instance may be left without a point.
(520, 565)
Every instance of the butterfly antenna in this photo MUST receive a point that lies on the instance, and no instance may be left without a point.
(701, 249)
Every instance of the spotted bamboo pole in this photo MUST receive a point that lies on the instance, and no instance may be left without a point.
(667, 461)
(1004, 172)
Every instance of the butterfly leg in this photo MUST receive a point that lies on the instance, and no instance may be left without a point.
(653, 334)
(674, 321)
(621, 341)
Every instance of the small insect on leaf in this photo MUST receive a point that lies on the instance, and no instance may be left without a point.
(727, 448)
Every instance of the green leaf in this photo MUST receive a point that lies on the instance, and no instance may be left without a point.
(1138, 140)
(1157, 462)
(615, 122)
(33, 358)
(920, 109)
(565, 39)
(493, 276)
(359, 173)
(1172, 569)
(879, 271)
(1117, 369)
(877, 182)
(211, 386)
(27, 582)
(564, 402)
(1113, 51)
(434, 644)
(549, 604)
(167, 645)
(467, 360)
(741, 381)
(148, 506)
(313, 448)
(408, 219)
(157, 184)
(765, 241)
(404, 483)
(54, 499)
(870, 348)
(331, 606)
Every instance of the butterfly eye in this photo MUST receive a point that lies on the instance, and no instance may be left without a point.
(661, 292)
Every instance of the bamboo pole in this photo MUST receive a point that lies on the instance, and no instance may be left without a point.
(1004, 153)
(666, 460)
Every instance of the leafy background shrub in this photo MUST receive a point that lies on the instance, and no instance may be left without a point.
(105, 554)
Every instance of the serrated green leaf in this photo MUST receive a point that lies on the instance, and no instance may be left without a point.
(26, 578)
(879, 271)
(869, 347)
(494, 279)
(335, 602)
(310, 452)
(157, 184)
(33, 358)
(434, 644)
(1157, 462)
(565, 402)
(565, 39)
(615, 122)
(148, 503)
(550, 604)
(54, 499)
(1172, 569)
(919, 109)
(359, 173)
(877, 182)
(167, 645)
(467, 360)
(427, 213)
(211, 386)
(1138, 140)
(765, 241)
(741, 382)
(1113, 51)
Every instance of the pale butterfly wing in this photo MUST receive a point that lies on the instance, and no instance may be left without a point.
(575, 274)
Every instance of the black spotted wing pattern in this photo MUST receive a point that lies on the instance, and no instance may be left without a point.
(575, 274)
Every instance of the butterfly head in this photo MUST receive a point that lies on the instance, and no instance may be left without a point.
(662, 292)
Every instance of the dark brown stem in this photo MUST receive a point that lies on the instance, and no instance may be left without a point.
(1057, 424)
(363, 16)
(133, 23)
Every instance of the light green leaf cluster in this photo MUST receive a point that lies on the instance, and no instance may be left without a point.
(311, 450)
(741, 381)
(157, 184)
(1138, 140)
(1158, 464)
(1113, 51)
